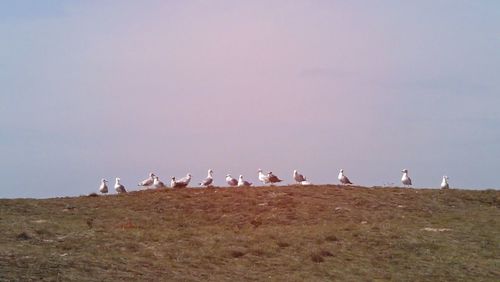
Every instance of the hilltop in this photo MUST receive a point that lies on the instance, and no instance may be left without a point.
(287, 233)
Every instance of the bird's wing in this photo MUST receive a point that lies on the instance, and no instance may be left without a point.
(207, 181)
(147, 182)
(103, 189)
(273, 178)
(301, 178)
(347, 181)
(185, 179)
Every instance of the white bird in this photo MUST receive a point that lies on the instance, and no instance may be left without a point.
(177, 184)
(342, 178)
(273, 178)
(406, 180)
(209, 180)
(118, 187)
(157, 183)
(243, 183)
(444, 183)
(262, 177)
(173, 183)
(184, 182)
(231, 181)
(103, 188)
(148, 181)
(299, 178)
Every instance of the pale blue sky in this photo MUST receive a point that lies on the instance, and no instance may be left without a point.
(93, 89)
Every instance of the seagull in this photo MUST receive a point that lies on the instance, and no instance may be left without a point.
(148, 181)
(172, 182)
(299, 178)
(231, 181)
(273, 178)
(157, 183)
(103, 188)
(242, 183)
(444, 183)
(262, 177)
(177, 184)
(209, 180)
(118, 187)
(405, 179)
(185, 180)
(342, 178)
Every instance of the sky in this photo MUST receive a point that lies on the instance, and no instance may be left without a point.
(105, 89)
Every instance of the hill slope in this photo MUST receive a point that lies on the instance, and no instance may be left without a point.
(273, 233)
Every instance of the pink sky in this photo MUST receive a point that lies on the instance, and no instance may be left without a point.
(97, 89)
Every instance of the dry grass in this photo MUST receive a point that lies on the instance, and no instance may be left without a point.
(317, 233)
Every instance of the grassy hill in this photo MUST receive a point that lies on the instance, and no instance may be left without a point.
(315, 233)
